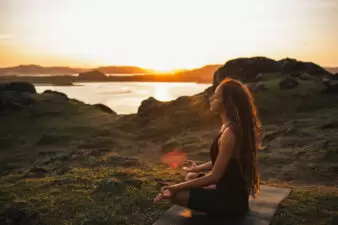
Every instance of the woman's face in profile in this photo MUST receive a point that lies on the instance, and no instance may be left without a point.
(216, 100)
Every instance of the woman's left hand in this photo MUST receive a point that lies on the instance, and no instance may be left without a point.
(171, 189)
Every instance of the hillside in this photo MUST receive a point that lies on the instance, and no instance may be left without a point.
(66, 162)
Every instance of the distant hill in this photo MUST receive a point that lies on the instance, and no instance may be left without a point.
(202, 74)
(122, 69)
(332, 69)
(37, 70)
(239, 68)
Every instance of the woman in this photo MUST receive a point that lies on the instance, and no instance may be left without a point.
(233, 158)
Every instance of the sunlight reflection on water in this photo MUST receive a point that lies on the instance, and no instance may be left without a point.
(125, 97)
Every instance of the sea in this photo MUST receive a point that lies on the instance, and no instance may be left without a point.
(125, 97)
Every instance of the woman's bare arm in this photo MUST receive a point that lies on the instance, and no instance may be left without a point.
(225, 152)
(204, 166)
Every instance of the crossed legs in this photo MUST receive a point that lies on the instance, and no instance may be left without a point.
(182, 197)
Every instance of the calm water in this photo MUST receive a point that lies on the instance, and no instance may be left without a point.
(125, 97)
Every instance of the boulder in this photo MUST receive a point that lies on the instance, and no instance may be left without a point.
(288, 83)
(259, 77)
(109, 185)
(305, 76)
(10, 100)
(56, 93)
(331, 86)
(37, 172)
(288, 65)
(18, 86)
(147, 106)
(255, 87)
(330, 125)
(104, 108)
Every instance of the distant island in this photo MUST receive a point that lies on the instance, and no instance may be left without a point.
(241, 68)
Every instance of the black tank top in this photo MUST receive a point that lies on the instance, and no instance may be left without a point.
(232, 184)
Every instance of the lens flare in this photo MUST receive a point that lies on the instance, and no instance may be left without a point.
(174, 159)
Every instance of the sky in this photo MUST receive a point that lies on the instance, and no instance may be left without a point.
(165, 34)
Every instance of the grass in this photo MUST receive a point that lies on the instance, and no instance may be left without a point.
(309, 205)
(76, 197)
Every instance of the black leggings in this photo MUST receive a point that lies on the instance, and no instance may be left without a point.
(212, 201)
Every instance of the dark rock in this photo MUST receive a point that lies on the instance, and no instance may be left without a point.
(11, 100)
(133, 182)
(109, 185)
(92, 75)
(104, 108)
(2, 87)
(147, 106)
(19, 86)
(251, 69)
(255, 87)
(21, 214)
(331, 125)
(245, 69)
(294, 66)
(288, 83)
(37, 172)
(56, 93)
(260, 77)
(331, 86)
(305, 76)
(273, 135)
(63, 170)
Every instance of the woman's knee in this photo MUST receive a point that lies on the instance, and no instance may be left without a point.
(181, 198)
(191, 176)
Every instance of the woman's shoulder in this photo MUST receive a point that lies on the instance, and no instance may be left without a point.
(228, 132)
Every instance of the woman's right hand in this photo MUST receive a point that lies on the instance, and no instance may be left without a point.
(192, 167)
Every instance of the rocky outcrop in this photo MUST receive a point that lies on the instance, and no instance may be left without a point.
(257, 68)
(104, 108)
(18, 86)
(288, 83)
(16, 95)
(147, 106)
(92, 75)
(255, 87)
(294, 66)
(245, 69)
(56, 93)
(331, 87)
(15, 100)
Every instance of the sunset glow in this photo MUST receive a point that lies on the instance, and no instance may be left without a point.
(165, 35)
